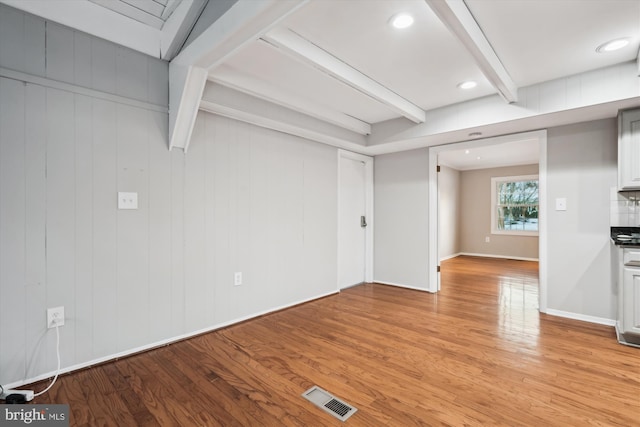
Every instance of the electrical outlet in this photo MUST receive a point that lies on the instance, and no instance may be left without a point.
(28, 394)
(55, 317)
(487, 239)
(237, 279)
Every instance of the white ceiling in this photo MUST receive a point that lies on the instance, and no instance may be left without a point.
(511, 153)
(341, 63)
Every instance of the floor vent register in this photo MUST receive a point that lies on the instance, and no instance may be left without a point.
(329, 403)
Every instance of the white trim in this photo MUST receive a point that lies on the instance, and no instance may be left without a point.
(495, 180)
(542, 222)
(444, 258)
(433, 274)
(399, 285)
(162, 342)
(582, 317)
(183, 112)
(369, 235)
(79, 90)
(518, 258)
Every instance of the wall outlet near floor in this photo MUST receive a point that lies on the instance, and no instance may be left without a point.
(487, 239)
(237, 279)
(55, 317)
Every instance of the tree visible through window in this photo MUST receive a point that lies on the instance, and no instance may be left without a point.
(515, 204)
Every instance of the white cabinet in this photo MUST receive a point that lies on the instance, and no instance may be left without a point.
(629, 150)
(628, 322)
(631, 304)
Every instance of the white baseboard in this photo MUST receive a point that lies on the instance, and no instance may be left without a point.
(498, 256)
(159, 343)
(402, 286)
(450, 256)
(583, 317)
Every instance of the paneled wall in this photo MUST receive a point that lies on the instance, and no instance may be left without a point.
(244, 199)
(45, 49)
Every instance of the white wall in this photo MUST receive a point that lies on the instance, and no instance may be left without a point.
(401, 197)
(243, 199)
(582, 167)
(449, 212)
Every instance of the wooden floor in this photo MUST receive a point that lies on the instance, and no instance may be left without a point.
(478, 353)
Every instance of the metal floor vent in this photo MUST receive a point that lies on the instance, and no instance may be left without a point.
(329, 403)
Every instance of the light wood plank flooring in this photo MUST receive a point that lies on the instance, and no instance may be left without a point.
(478, 353)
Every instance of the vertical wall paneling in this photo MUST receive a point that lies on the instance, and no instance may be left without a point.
(12, 227)
(103, 65)
(319, 205)
(105, 248)
(84, 226)
(60, 55)
(82, 59)
(219, 149)
(209, 236)
(260, 171)
(177, 243)
(132, 231)
(158, 76)
(11, 38)
(243, 213)
(61, 216)
(34, 45)
(195, 283)
(131, 74)
(159, 228)
(35, 211)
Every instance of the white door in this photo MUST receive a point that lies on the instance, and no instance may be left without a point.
(352, 219)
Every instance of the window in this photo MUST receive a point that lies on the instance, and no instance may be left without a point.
(514, 205)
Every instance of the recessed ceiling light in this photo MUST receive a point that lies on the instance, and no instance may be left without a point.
(470, 84)
(612, 45)
(478, 158)
(466, 151)
(475, 134)
(401, 20)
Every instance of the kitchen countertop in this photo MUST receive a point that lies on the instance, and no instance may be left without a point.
(633, 232)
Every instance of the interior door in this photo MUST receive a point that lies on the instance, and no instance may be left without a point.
(352, 217)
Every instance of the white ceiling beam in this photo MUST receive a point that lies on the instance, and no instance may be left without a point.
(307, 52)
(245, 22)
(177, 27)
(233, 79)
(455, 15)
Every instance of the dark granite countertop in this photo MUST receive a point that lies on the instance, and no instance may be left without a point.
(625, 236)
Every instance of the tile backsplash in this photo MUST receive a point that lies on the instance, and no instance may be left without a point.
(625, 208)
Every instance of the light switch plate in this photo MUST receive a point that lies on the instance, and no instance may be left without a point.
(561, 204)
(127, 200)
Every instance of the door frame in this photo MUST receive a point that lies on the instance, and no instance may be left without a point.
(434, 257)
(368, 183)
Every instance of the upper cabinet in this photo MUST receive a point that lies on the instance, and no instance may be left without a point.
(629, 150)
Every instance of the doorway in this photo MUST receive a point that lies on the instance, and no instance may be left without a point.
(434, 251)
(355, 219)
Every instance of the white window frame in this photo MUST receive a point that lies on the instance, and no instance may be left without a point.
(494, 226)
